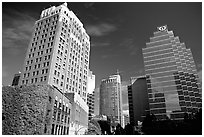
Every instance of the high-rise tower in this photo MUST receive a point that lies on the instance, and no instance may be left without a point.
(171, 76)
(90, 95)
(58, 55)
(111, 99)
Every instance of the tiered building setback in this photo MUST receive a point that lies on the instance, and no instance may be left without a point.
(171, 74)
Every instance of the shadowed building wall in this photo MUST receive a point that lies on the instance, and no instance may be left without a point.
(138, 100)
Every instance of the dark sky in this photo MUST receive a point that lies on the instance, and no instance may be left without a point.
(118, 33)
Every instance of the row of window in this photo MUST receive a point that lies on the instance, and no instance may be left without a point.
(61, 113)
(35, 73)
(35, 39)
(45, 64)
(48, 20)
(75, 29)
(69, 84)
(45, 26)
(34, 80)
(59, 130)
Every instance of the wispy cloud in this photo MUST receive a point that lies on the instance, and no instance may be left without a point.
(100, 44)
(17, 29)
(130, 45)
(109, 56)
(88, 4)
(4, 71)
(100, 29)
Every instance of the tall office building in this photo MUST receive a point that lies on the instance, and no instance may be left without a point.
(172, 79)
(138, 99)
(111, 99)
(58, 55)
(90, 95)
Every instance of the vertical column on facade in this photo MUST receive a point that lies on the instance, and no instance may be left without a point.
(186, 83)
(178, 77)
(194, 79)
(182, 70)
(188, 80)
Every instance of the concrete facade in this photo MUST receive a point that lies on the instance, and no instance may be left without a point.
(58, 55)
(111, 99)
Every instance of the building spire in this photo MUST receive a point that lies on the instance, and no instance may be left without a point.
(117, 72)
(65, 4)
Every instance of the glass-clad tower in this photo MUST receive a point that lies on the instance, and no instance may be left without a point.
(172, 79)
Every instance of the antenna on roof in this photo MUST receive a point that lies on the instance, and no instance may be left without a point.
(118, 73)
(65, 4)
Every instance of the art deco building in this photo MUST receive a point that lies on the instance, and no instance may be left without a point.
(172, 79)
(111, 99)
(138, 99)
(58, 55)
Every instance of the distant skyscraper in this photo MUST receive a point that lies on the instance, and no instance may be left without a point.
(58, 55)
(111, 99)
(126, 120)
(90, 95)
(16, 79)
(138, 99)
(171, 74)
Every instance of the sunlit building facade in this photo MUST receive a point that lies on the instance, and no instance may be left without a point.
(171, 74)
(90, 94)
(58, 55)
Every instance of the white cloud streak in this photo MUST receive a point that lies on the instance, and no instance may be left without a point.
(100, 29)
(17, 29)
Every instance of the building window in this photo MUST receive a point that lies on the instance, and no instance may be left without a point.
(43, 71)
(46, 71)
(45, 78)
(52, 130)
